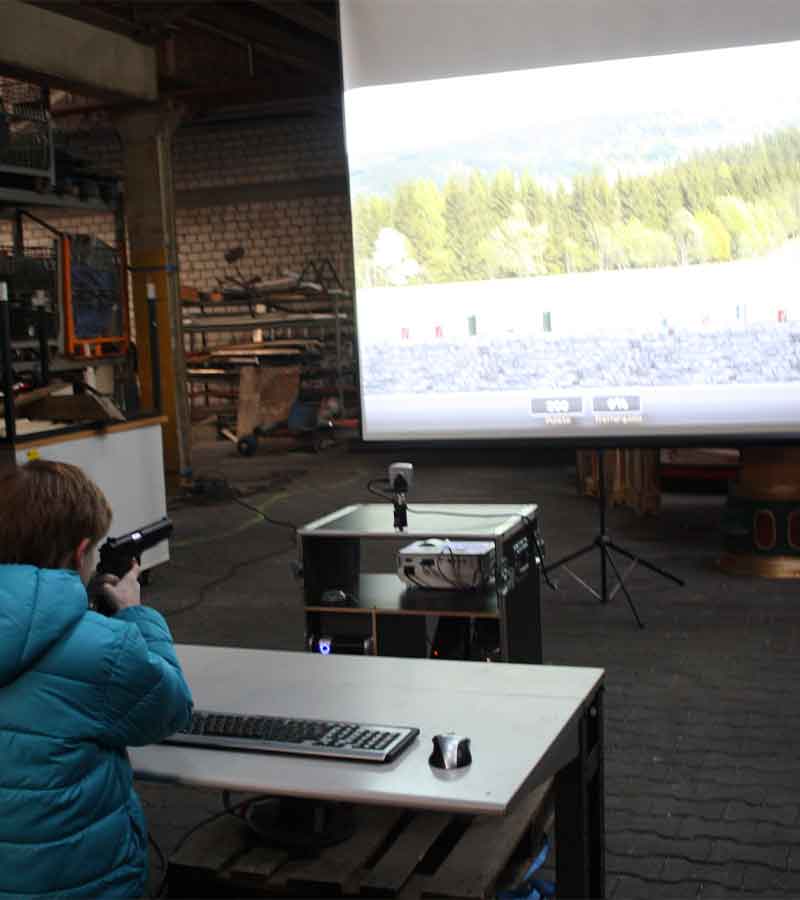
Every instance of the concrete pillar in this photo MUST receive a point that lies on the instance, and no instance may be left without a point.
(153, 257)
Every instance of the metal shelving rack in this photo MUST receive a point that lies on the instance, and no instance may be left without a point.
(15, 204)
(312, 306)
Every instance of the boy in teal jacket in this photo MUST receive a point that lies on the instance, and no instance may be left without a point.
(76, 688)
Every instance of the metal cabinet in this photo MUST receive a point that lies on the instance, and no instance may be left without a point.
(355, 602)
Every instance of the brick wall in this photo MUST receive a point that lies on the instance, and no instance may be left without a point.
(272, 150)
(277, 234)
(101, 226)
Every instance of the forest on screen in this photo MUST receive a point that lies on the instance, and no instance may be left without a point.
(719, 205)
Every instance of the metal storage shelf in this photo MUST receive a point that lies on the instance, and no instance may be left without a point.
(45, 355)
(15, 198)
(278, 311)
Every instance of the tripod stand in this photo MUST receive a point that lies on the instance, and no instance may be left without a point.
(605, 545)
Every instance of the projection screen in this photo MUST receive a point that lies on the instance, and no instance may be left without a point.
(575, 219)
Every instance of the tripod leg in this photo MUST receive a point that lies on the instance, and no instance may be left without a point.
(565, 559)
(648, 565)
(628, 597)
(582, 583)
(628, 571)
(603, 572)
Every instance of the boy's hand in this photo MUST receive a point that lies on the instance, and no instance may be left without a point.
(123, 592)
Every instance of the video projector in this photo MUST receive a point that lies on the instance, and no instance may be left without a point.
(440, 564)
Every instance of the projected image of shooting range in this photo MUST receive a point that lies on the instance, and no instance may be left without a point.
(609, 248)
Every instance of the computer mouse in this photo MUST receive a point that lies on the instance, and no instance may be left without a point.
(450, 751)
(335, 597)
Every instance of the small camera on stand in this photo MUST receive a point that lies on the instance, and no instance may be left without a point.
(401, 477)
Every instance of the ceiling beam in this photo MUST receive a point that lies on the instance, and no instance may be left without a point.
(167, 16)
(92, 15)
(303, 14)
(265, 39)
(275, 95)
(47, 47)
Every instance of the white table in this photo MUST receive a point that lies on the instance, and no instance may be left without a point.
(526, 724)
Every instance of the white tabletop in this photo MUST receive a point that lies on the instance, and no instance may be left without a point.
(455, 520)
(521, 719)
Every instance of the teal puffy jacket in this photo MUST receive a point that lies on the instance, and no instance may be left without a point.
(76, 688)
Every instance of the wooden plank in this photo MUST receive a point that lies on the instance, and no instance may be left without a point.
(262, 351)
(30, 426)
(256, 866)
(249, 399)
(76, 408)
(475, 863)
(337, 866)
(309, 304)
(27, 397)
(212, 847)
(516, 869)
(36, 442)
(397, 865)
(301, 297)
(195, 324)
(277, 342)
(412, 889)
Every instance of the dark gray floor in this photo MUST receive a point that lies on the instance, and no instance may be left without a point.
(702, 720)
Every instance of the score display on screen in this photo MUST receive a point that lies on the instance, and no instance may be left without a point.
(594, 250)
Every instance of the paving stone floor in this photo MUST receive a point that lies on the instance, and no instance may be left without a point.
(702, 716)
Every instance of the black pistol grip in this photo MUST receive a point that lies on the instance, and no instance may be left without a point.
(118, 564)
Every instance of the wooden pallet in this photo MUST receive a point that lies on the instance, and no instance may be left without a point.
(392, 853)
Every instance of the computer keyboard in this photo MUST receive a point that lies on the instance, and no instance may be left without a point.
(309, 737)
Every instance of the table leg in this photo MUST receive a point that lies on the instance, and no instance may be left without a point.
(580, 812)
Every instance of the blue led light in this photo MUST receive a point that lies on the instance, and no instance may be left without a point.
(324, 646)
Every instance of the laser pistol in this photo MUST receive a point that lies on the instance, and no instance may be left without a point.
(118, 554)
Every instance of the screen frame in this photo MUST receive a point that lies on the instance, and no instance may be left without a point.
(768, 18)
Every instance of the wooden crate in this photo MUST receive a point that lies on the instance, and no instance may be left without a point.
(631, 478)
(392, 853)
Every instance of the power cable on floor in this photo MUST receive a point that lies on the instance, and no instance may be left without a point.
(279, 522)
(162, 860)
(215, 582)
(232, 495)
(220, 488)
(282, 496)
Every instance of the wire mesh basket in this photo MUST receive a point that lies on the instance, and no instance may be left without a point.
(97, 293)
(26, 134)
(32, 280)
(36, 269)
